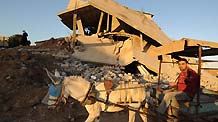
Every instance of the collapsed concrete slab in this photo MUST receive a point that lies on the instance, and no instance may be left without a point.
(110, 33)
(102, 50)
(113, 17)
(180, 45)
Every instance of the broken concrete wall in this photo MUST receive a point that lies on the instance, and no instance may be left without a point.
(102, 50)
(125, 52)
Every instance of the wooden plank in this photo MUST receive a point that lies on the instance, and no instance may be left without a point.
(199, 78)
(100, 22)
(210, 61)
(147, 46)
(209, 68)
(74, 29)
(141, 42)
(108, 22)
(80, 26)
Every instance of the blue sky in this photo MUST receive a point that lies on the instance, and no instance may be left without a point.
(178, 18)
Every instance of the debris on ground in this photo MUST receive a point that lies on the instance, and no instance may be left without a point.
(24, 83)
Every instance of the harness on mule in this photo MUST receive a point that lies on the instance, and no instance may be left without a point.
(108, 84)
(91, 94)
(88, 100)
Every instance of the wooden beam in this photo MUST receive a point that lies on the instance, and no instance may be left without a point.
(141, 42)
(160, 58)
(146, 47)
(80, 26)
(199, 78)
(108, 22)
(100, 22)
(214, 61)
(74, 29)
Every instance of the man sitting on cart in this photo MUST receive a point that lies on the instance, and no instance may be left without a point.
(183, 90)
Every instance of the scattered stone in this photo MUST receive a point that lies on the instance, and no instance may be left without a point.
(8, 77)
(96, 72)
(5, 108)
(93, 77)
(24, 56)
(63, 74)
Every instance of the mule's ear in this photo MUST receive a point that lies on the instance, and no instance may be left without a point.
(57, 74)
(51, 76)
(64, 100)
(55, 80)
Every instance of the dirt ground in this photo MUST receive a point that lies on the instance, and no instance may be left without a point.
(24, 83)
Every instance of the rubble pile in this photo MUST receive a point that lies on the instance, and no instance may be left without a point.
(96, 72)
(53, 43)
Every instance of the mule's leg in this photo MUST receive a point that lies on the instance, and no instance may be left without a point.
(131, 116)
(143, 116)
(91, 118)
(94, 112)
(97, 119)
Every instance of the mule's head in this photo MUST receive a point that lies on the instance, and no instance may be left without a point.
(76, 87)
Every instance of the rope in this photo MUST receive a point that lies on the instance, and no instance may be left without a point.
(118, 89)
(130, 108)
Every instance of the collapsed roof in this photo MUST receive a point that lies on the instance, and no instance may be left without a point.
(89, 12)
(110, 33)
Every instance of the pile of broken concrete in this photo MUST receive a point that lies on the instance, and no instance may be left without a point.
(96, 72)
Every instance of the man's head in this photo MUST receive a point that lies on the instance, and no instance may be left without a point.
(183, 64)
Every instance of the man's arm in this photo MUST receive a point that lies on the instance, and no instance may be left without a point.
(171, 88)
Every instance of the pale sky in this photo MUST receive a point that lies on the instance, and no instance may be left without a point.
(196, 19)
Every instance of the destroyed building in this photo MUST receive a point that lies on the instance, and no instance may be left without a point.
(108, 33)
